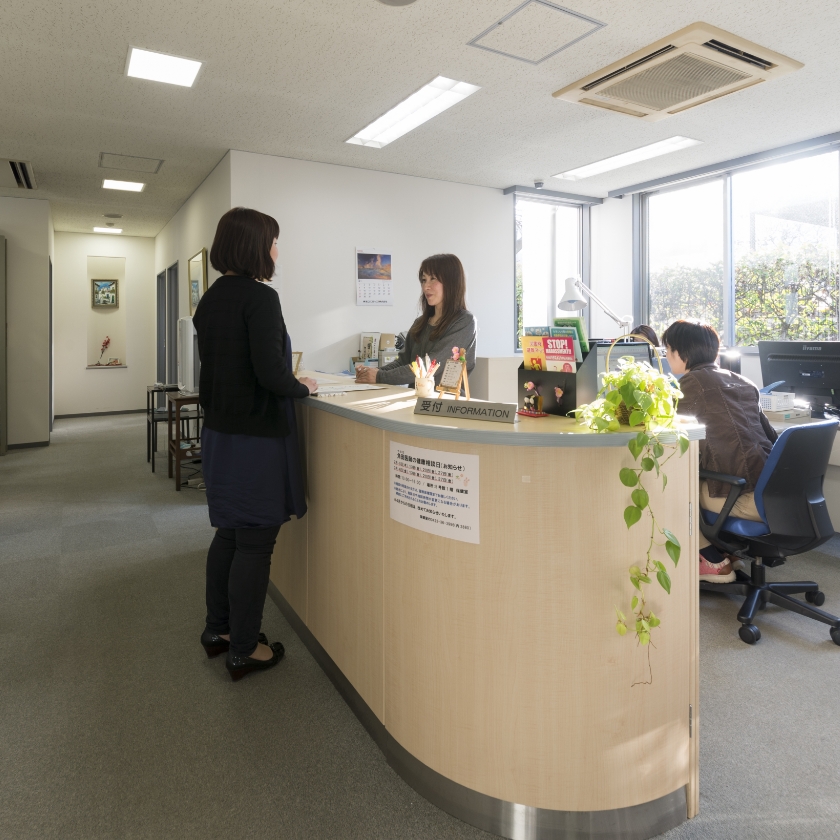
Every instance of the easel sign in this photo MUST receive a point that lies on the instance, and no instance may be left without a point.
(453, 376)
(296, 357)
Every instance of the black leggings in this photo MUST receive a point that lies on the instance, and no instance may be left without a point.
(238, 563)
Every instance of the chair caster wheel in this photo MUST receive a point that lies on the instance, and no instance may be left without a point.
(750, 634)
(815, 598)
(835, 635)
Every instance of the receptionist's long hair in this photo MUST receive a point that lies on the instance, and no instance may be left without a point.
(448, 269)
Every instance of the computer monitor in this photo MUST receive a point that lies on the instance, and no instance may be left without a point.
(811, 369)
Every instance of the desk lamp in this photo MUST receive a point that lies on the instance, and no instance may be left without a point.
(573, 300)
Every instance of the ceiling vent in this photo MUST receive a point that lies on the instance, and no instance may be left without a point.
(130, 163)
(17, 174)
(695, 65)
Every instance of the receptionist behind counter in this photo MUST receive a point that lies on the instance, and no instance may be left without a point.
(444, 323)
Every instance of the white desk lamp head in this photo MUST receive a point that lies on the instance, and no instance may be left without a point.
(573, 300)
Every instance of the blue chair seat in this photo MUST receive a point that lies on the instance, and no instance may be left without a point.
(741, 527)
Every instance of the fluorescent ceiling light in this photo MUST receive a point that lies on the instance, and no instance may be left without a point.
(158, 67)
(663, 147)
(107, 230)
(441, 93)
(130, 186)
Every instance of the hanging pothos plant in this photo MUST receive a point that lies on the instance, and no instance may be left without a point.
(632, 396)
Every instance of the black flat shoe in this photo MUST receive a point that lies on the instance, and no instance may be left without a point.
(238, 665)
(214, 645)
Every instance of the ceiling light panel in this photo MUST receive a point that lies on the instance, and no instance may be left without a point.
(107, 230)
(159, 67)
(535, 31)
(128, 186)
(432, 99)
(663, 147)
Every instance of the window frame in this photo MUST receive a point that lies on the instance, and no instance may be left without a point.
(584, 248)
(641, 239)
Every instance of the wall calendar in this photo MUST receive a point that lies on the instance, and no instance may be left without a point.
(374, 285)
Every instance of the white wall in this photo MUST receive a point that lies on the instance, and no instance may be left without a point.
(612, 263)
(79, 390)
(27, 225)
(193, 228)
(325, 212)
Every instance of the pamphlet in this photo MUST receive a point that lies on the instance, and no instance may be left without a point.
(533, 352)
(573, 334)
(560, 354)
(537, 330)
(577, 323)
(369, 345)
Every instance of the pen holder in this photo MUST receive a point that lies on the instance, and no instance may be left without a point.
(424, 386)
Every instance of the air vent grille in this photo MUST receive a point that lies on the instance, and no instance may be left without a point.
(17, 174)
(696, 65)
(627, 67)
(741, 55)
(672, 82)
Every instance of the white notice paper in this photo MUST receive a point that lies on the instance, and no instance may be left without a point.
(435, 492)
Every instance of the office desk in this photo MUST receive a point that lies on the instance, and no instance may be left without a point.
(490, 674)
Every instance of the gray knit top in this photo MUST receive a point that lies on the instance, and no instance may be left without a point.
(461, 333)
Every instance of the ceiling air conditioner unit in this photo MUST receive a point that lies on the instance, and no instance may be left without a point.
(695, 65)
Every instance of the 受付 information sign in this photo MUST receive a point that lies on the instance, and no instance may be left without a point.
(435, 492)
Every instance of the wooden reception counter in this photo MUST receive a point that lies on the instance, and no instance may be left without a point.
(489, 672)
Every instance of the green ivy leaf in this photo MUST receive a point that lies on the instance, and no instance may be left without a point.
(645, 402)
(664, 581)
(659, 565)
(620, 615)
(626, 392)
(644, 637)
(644, 578)
(628, 477)
(613, 397)
(683, 445)
(632, 515)
(621, 628)
(653, 621)
(640, 498)
(642, 438)
(634, 603)
(600, 423)
(658, 449)
(664, 481)
(636, 418)
(635, 448)
(635, 582)
(614, 425)
(635, 571)
(647, 464)
(673, 551)
(670, 537)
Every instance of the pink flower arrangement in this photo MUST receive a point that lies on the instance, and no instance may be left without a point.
(105, 345)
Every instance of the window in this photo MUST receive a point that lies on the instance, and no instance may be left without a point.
(754, 253)
(685, 255)
(548, 250)
(784, 249)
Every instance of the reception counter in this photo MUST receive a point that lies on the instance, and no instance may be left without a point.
(485, 663)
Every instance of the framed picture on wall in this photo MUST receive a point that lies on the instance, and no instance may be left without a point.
(105, 293)
(197, 278)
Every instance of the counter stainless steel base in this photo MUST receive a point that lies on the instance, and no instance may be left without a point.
(490, 674)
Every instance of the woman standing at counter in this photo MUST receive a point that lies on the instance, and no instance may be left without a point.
(248, 459)
(444, 323)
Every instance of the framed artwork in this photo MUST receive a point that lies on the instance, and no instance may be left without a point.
(104, 293)
(197, 278)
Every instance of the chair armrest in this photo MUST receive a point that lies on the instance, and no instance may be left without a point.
(726, 479)
(711, 532)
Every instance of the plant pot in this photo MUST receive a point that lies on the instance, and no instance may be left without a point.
(622, 413)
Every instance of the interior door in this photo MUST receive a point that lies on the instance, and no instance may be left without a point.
(172, 323)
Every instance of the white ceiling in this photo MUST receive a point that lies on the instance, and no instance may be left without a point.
(298, 77)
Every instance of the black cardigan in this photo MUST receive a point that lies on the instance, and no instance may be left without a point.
(241, 344)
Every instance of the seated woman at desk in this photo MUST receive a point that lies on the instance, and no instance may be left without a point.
(444, 323)
(738, 435)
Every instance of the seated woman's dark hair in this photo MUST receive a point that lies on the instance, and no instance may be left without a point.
(647, 332)
(448, 269)
(695, 343)
(243, 244)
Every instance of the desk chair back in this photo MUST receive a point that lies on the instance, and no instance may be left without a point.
(789, 492)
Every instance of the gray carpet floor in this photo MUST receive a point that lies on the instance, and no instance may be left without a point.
(113, 724)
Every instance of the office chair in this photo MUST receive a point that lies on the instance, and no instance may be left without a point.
(789, 498)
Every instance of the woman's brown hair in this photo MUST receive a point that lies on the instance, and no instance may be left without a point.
(243, 244)
(448, 269)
